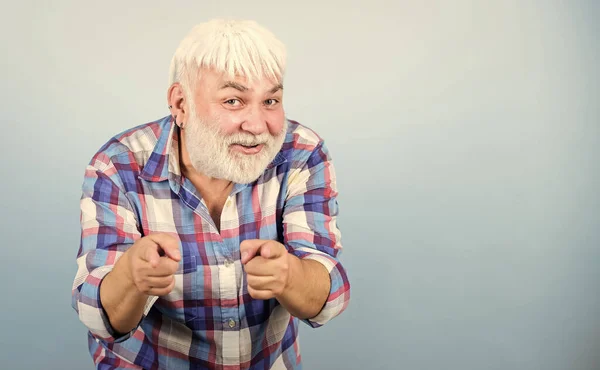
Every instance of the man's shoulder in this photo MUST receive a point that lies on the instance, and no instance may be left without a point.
(138, 141)
(301, 142)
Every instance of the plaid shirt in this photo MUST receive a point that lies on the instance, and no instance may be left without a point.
(133, 186)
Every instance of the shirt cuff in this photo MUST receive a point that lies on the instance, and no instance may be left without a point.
(339, 292)
(92, 313)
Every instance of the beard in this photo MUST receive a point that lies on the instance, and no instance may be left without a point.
(210, 153)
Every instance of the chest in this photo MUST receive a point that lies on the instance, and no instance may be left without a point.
(250, 212)
(211, 263)
(214, 206)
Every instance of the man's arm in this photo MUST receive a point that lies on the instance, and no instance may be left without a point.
(300, 286)
(110, 292)
(311, 233)
(304, 274)
(108, 230)
(307, 289)
(123, 303)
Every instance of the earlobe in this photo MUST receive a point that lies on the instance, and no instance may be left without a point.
(177, 100)
(180, 124)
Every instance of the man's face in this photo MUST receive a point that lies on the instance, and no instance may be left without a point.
(235, 128)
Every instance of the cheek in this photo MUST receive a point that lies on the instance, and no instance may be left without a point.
(275, 121)
(229, 123)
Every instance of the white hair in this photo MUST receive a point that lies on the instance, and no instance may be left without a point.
(236, 47)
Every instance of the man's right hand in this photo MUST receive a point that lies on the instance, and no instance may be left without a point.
(152, 262)
(147, 268)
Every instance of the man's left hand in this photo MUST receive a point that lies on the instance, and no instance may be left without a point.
(267, 265)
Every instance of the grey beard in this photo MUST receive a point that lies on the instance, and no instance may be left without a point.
(210, 155)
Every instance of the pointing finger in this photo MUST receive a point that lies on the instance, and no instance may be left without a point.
(249, 249)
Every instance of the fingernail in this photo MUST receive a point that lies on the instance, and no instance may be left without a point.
(244, 255)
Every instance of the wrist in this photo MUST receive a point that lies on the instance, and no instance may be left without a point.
(123, 274)
(294, 273)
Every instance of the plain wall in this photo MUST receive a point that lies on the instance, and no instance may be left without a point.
(466, 138)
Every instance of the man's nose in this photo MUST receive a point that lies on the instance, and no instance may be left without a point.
(256, 121)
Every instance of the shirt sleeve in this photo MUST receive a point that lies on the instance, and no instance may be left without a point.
(310, 228)
(108, 229)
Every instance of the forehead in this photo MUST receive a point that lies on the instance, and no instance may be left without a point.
(212, 79)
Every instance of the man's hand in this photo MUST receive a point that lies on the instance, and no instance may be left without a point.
(267, 265)
(300, 286)
(147, 268)
(152, 262)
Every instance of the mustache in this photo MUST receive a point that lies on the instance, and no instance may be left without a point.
(248, 139)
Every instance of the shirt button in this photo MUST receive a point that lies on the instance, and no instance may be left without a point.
(228, 202)
(228, 263)
(231, 323)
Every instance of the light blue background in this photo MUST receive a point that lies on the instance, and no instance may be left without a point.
(465, 135)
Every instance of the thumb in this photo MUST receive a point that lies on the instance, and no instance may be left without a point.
(249, 248)
(168, 244)
(272, 250)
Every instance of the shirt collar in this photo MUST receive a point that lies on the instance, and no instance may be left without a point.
(164, 157)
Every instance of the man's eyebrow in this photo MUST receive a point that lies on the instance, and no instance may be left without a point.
(234, 85)
(276, 88)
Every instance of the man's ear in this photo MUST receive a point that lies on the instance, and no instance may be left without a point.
(177, 104)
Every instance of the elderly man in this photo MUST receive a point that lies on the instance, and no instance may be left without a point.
(208, 235)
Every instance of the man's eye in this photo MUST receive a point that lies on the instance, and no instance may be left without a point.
(232, 102)
(271, 102)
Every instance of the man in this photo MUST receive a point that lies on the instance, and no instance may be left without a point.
(209, 234)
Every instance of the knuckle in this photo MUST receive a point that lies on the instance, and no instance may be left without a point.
(138, 281)
(168, 281)
(141, 243)
(280, 280)
(165, 291)
(138, 269)
(165, 283)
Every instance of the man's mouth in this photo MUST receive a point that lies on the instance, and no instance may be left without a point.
(247, 149)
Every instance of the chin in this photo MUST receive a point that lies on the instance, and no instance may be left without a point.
(240, 170)
(246, 176)
(246, 168)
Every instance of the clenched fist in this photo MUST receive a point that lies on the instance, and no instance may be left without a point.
(267, 267)
(152, 262)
